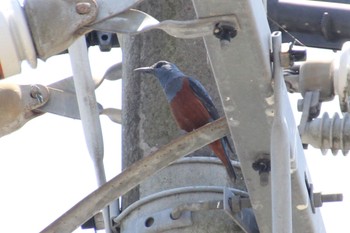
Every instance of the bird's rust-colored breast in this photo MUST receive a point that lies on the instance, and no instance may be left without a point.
(188, 110)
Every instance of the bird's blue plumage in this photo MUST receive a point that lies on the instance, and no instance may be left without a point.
(204, 97)
(191, 104)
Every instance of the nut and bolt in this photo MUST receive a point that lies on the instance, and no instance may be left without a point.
(35, 93)
(320, 198)
(225, 32)
(83, 8)
(263, 166)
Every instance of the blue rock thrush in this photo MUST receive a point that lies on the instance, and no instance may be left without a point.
(190, 104)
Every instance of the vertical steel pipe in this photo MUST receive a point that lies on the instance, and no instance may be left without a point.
(280, 150)
(89, 115)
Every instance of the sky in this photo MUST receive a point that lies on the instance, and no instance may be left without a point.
(45, 167)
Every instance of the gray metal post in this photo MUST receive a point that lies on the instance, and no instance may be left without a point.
(280, 150)
(85, 89)
(242, 70)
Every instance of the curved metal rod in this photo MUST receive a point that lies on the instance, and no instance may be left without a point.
(136, 173)
(206, 160)
(175, 191)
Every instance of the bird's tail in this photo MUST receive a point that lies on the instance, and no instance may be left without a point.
(220, 150)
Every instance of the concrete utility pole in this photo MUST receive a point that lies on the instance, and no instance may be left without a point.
(147, 122)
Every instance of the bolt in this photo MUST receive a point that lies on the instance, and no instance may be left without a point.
(83, 8)
(263, 166)
(35, 93)
(224, 31)
(320, 198)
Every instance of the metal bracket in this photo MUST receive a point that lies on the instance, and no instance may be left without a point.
(62, 103)
(310, 107)
(55, 25)
(28, 101)
(106, 16)
(290, 54)
(62, 100)
(135, 22)
(17, 103)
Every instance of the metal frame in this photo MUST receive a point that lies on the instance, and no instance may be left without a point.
(243, 74)
(241, 63)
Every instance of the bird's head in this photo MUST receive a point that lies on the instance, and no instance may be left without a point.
(163, 70)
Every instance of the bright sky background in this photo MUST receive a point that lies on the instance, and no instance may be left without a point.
(45, 167)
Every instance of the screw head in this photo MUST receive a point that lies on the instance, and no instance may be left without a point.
(224, 31)
(83, 8)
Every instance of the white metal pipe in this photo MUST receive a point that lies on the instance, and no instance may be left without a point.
(280, 150)
(89, 114)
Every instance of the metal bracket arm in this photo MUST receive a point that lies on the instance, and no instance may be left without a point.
(55, 25)
(135, 22)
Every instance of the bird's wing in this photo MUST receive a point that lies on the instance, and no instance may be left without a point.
(204, 97)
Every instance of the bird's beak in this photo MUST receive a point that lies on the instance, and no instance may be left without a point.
(145, 70)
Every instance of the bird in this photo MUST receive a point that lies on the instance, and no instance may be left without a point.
(191, 105)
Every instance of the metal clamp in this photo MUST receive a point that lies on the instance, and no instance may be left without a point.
(65, 17)
(237, 207)
(17, 103)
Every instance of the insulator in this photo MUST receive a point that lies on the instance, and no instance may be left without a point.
(328, 133)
